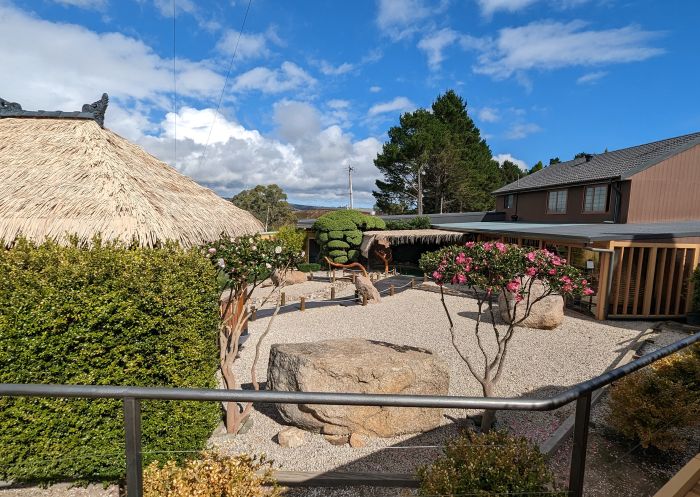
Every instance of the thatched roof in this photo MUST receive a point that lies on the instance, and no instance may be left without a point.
(63, 177)
(398, 237)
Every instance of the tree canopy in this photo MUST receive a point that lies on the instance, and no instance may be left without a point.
(268, 203)
(443, 146)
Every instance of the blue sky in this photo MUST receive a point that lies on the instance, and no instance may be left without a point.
(315, 85)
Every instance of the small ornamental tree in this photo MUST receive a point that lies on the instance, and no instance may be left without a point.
(245, 263)
(488, 270)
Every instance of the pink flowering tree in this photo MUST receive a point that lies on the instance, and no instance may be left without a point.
(487, 270)
(243, 265)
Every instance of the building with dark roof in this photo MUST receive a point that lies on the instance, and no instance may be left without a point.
(654, 182)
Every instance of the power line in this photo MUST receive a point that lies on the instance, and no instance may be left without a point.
(203, 158)
(174, 88)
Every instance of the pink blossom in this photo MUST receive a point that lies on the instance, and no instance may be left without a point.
(530, 256)
(588, 291)
(501, 247)
(565, 279)
(437, 275)
(552, 272)
(531, 271)
(584, 282)
(488, 246)
(518, 298)
(461, 258)
(567, 288)
(513, 286)
(212, 251)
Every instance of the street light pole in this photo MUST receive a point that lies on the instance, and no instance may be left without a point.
(420, 191)
(350, 170)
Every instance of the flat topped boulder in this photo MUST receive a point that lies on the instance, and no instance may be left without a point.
(546, 313)
(355, 365)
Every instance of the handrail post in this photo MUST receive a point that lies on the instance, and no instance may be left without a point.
(578, 453)
(134, 463)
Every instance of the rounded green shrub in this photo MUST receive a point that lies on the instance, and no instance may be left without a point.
(338, 244)
(353, 254)
(353, 237)
(322, 237)
(346, 225)
(336, 235)
(494, 463)
(104, 316)
(341, 259)
(309, 267)
(337, 253)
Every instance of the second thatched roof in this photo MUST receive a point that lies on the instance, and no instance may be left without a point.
(61, 177)
(398, 237)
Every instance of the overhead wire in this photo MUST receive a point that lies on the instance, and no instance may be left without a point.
(174, 86)
(203, 158)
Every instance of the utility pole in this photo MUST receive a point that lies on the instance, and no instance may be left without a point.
(420, 191)
(350, 170)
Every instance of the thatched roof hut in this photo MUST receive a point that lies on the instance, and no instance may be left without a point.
(64, 174)
(398, 237)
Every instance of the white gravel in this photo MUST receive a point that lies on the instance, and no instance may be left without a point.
(311, 290)
(539, 363)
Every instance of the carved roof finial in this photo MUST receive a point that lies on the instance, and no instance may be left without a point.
(98, 109)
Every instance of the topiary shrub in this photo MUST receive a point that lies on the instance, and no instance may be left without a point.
(346, 225)
(309, 267)
(654, 404)
(211, 475)
(338, 244)
(415, 223)
(488, 464)
(104, 316)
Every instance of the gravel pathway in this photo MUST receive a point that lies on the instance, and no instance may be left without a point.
(539, 364)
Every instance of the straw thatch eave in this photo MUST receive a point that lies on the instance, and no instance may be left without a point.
(62, 177)
(397, 237)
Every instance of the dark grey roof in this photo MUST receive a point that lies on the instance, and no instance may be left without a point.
(452, 217)
(583, 232)
(94, 111)
(618, 164)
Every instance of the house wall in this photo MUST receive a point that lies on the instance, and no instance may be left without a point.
(531, 207)
(668, 191)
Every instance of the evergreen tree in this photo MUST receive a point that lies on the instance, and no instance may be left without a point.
(555, 160)
(537, 167)
(456, 168)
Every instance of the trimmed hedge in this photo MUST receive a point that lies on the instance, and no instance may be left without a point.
(104, 316)
(343, 230)
(309, 267)
(415, 223)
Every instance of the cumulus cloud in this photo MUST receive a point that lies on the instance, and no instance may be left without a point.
(250, 46)
(398, 104)
(288, 77)
(488, 7)
(84, 4)
(488, 114)
(591, 77)
(434, 43)
(399, 18)
(307, 160)
(329, 69)
(375, 89)
(552, 45)
(522, 130)
(501, 158)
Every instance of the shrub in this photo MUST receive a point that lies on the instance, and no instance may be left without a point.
(487, 464)
(211, 475)
(292, 238)
(104, 316)
(344, 225)
(696, 289)
(415, 223)
(309, 267)
(653, 405)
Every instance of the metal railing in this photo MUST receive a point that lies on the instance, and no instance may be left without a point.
(131, 397)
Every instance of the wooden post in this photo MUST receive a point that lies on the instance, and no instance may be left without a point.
(302, 303)
(332, 292)
(413, 282)
(353, 277)
(253, 313)
(364, 299)
(425, 278)
(392, 290)
(283, 298)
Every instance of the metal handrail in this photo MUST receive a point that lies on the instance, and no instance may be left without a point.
(131, 397)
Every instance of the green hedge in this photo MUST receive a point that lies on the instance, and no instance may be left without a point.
(336, 235)
(105, 316)
(338, 244)
(309, 267)
(343, 230)
(414, 223)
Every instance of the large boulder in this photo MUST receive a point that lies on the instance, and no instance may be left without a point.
(289, 277)
(357, 366)
(545, 314)
(364, 286)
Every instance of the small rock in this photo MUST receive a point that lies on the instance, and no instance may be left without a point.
(357, 441)
(291, 437)
(337, 439)
(364, 287)
(246, 425)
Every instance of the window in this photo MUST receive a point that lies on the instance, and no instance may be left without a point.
(509, 201)
(556, 202)
(595, 199)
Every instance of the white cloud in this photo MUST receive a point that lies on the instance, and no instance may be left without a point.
(309, 161)
(399, 104)
(165, 7)
(288, 77)
(398, 18)
(521, 130)
(434, 43)
(330, 70)
(501, 158)
(375, 89)
(488, 114)
(552, 45)
(591, 77)
(250, 46)
(488, 7)
(338, 104)
(84, 4)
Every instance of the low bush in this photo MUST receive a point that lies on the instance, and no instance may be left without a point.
(292, 237)
(342, 230)
(211, 475)
(653, 405)
(494, 463)
(103, 316)
(415, 223)
(309, 267)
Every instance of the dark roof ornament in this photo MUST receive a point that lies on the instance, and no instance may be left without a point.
(6, 106)
(98, 109)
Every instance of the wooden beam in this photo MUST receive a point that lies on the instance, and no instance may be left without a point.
(691, 281)
(649, 284)
(344, 479)
(604, 269)
(682, 278)
(618, 278)
(683, 481)
(669, 286)
(628, 278)
(661, 281)
(626, 243)
(638, 279)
